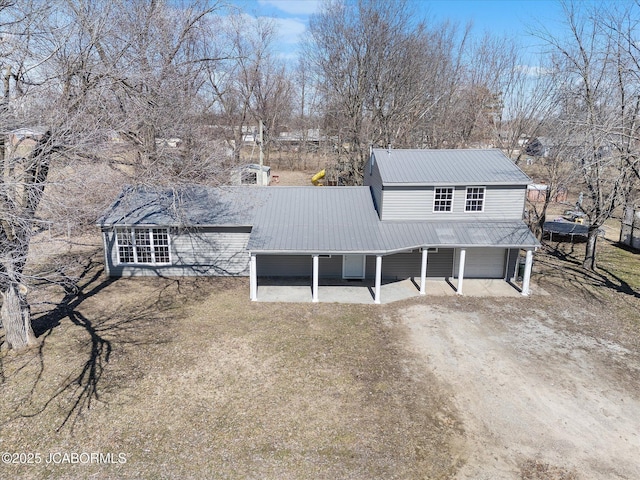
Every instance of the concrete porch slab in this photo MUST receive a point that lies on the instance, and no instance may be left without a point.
(362, 292)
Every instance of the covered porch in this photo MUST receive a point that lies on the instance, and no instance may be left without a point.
(298, 290)
(360, 289)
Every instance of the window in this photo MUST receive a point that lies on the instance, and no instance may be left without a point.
(443, 199)
(475, 199)
(143, 245)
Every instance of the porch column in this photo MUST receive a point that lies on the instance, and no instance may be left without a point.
(527, 273)
(314, 291)
(253, 279)
(378, 278)
(463, 255)
(423, 273)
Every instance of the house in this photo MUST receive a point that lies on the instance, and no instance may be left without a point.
(539, 147)
(537, 192)
(575, 146)
(421, 213)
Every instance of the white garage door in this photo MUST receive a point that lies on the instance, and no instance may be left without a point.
(482, 263)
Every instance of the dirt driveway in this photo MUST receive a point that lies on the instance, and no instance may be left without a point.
(534, 392)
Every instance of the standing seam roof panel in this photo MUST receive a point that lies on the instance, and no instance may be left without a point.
(433, 167)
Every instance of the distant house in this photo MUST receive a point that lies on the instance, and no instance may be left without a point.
(422, 213)
(537, 192)
(539, 147)
(576, 147)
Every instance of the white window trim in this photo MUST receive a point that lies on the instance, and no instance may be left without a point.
(453, 194)
(484, 199)
(132, 236)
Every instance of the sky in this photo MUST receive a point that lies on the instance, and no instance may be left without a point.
(514, 18)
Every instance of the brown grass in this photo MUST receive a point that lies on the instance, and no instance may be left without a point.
(613, 289)
(189, 379)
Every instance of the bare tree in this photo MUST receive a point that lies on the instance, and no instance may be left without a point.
(148, 61)
(362, 53)
(22, 173)
(598, 108)
(91, 73)
(251, 85)
(621, 25)
(388, 79)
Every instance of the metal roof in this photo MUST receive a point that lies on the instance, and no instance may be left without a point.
(317, 219)
(448, 167)
(306, 220)
(391, 237)
(186, 206)
(400, 236)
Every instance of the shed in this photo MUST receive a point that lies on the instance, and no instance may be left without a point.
(251, 174)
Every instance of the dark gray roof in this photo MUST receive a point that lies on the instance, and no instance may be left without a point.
(305, 219)
(448, 167)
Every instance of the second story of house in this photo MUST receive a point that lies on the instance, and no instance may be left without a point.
(473, 184)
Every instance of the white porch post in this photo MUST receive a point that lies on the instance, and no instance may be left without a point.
(527, 273)
(463, 254)
(314, 291)
(378, 278)
(423, 273)
(253, 279)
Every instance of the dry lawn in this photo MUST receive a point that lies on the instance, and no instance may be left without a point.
(188, 379)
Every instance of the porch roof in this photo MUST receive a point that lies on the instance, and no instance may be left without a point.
(388, 237)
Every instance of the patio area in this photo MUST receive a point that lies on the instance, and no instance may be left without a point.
(298, 290)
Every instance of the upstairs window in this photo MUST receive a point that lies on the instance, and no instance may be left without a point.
(443, 199)
(475, 199)
(143, 245)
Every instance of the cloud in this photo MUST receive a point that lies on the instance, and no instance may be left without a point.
(290, 29)
(533, 71)
(293, 7)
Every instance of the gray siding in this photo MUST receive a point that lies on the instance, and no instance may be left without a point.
(406, 265)
(397, 266)
(298, 266)
(207, 251)
(373, 180)
(416, 203)
(439, 264)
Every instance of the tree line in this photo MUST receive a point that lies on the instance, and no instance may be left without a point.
(91, 85)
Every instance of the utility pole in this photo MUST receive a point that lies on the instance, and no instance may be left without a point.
(261, 140)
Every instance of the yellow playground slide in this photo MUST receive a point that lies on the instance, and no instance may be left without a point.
(317, 177)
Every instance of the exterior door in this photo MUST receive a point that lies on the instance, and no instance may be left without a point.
(353, 266)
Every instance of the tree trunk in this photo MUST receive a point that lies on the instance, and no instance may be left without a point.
(16, 318)
(542, 217)
(590, 253)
